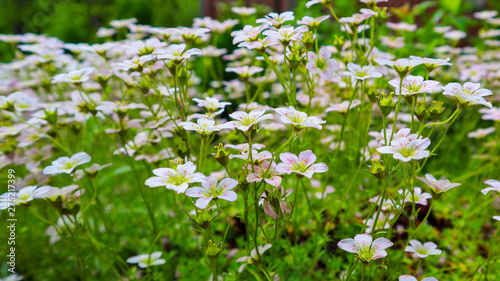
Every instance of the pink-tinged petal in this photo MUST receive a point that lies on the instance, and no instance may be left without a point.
(308, 174)
(198, 177)
(195, 192)
(229, 196)
(256, 113)
(155, 182)
(50, 170)
(348, 245)
(178, 188)
(430, 245)
(239, 115)
(289, 158)
(283, 168)
(493, 183)
(381, 244)
(209, 182)
(416, 244)
(379, 254)
(435, 252)
(486, 190)
(363, 239)
(265, 117)
(407, 278)
(324, 53)
(496, 218)
(202, 203)
(430, 279)
(421, 154)
(400, 157)
(274, 181)
(410, 249)
(268, 209)
(228, 183)
(187, 168)
(43, 190)
(243, 259)
(163, 172)
(307, 157)
(81, 158)
(423, 144)
(421, 255)
(319, 168)
(386, 150)
(253, 177)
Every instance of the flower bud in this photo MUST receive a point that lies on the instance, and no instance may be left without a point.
(222, 155)
(204, 218)
(213, 250)
(421, 111)
(381, 16)
(338, 42)
(308, 40)
(436, 110)
(386, 103)
(372, 94)
(295, 59)
(377, 168)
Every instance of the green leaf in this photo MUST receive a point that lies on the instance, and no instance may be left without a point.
(451, 5)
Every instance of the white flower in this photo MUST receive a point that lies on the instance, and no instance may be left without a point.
(313, 22)
(405, 149)
(343, 106)
(247, 34)
(286, 34)
(361, 73)
(244, 11)
(303, 165)
(145, 260)
(213, 105)
(177, 180)
(314, 2)
(67, 164)
(275, 19)
(402, 26)
(322, 64)
(356, 18)
(203, 126)
(77, 76)
(431, 63)
(245, 71)
(211, 190)
(253, 258)
(244, 121)
(411, 278)
(481, 133)
(422, 251)
(495, 186)
(413, 85)
(365, 248)
(54, 192)
(24, 195)
(483, 15)
(469, 93)
(19, 101)
(177, 53)
(437, 186)
(299, 119)
(402, 66)
(455, 35)
(417, 197)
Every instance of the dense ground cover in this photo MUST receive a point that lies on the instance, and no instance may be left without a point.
(302, 151)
